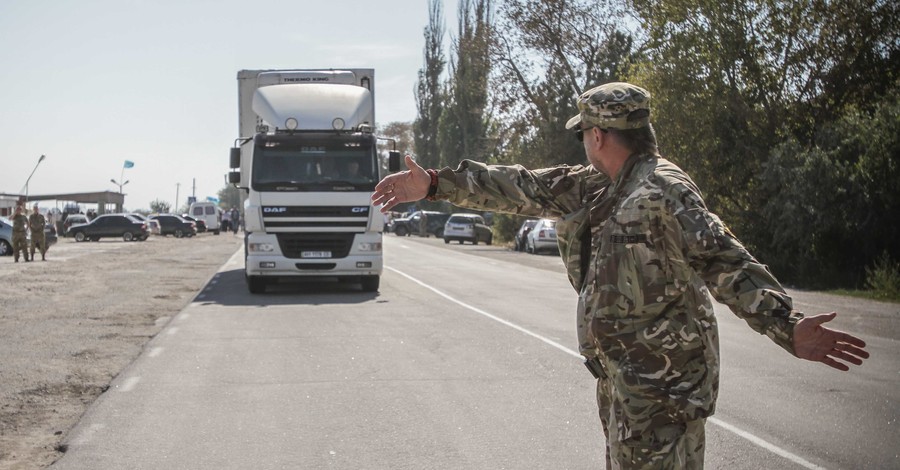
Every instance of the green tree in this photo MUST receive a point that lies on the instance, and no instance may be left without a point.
(550, 52)
(834, 208)
(160, 207)
(732, 79)
(229, 196)
(429, 103)
(465, 120)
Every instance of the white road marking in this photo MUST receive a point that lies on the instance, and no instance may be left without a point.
(129, 384)
(728, 427)
(155, 351)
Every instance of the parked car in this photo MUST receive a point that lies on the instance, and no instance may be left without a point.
(467, 228)
(6, 236)
(523, 232)
(110, 225)
(201, 225)
(434, 224)
(153, 227)
(72, 220)
(542, 237)
(171, 224)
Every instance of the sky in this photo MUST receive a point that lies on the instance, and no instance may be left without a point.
(93, 83)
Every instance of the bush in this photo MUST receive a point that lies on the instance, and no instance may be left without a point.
(883, 278)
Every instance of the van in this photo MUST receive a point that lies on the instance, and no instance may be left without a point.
(209, 213)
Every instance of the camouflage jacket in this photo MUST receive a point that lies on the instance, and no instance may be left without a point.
(36, 222)
(20, 223)
(655, 256)
(574, 195)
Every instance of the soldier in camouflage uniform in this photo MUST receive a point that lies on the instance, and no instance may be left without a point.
(36, 222)
(644, 254)
(20, 234)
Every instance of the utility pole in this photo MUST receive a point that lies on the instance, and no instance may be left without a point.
(177, 190)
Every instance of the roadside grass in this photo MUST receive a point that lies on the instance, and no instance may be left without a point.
(866, 294)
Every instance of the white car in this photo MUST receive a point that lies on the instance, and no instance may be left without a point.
(467, 228)
(542, 237)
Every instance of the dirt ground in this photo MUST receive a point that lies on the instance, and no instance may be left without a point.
(70, 324)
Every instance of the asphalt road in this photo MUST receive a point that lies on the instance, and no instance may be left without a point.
(464, 360)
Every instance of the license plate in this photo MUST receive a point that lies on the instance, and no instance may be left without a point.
(315, 254)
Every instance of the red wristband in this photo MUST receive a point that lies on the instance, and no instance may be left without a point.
(432, 189)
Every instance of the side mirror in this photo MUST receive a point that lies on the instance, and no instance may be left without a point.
(234, 177)
(393, 161)
(234, 158)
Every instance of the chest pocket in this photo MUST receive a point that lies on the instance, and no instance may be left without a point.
(634, 281)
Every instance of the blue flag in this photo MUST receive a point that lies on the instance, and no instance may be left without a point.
(129, 163)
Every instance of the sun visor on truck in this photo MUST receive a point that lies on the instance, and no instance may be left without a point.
(315, 106)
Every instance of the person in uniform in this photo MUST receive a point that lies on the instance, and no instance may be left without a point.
(645, 255)
(20, 234)
(36, 222)
(423, 224)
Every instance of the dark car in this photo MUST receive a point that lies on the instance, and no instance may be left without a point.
(522, 233)
(110, 225)
(171, 224)
(201, 224)
(434, 224)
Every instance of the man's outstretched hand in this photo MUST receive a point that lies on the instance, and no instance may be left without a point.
(814, 342)
(405, 186)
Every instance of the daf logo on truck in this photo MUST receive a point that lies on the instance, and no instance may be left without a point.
(274, 210)
(360, 210)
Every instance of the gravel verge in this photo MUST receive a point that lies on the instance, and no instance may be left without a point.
(70, 324)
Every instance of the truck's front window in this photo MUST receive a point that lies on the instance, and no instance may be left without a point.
(314, 166)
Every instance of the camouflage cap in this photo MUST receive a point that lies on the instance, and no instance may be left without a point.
(616, 105)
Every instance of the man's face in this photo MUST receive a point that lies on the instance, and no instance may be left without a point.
(592, 146)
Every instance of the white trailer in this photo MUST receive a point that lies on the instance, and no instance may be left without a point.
(307, 157)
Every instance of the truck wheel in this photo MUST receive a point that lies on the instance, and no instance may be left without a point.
(446, 241)
(256, 284)
(127, 236)
(475, 240)
(370, 283)
(401, 231)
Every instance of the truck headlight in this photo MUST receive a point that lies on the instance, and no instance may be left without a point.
(369, 246)
(260, 247)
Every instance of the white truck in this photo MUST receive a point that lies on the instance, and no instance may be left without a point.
(307, 158)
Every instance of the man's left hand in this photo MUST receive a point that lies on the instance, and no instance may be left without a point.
(814, 342)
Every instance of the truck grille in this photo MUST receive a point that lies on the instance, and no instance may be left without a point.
(341, 218)
(293, 244)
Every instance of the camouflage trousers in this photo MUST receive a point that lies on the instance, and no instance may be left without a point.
(39, 242)
(668, 446)
(19, 243)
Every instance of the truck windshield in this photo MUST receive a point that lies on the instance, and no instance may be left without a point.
(323, 166)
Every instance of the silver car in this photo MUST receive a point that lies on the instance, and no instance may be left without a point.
(542, 237)
(467, 228)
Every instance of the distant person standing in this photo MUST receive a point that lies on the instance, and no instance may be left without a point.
(235, 220)
(20, 234)
(36, 223)
(226, 221)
